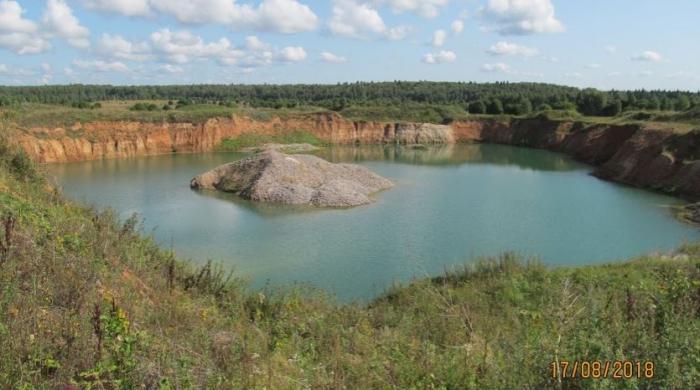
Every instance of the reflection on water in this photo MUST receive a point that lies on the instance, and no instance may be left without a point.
(450, 204)
(452, 155)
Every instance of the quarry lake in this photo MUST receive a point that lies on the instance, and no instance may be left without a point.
(450, 205)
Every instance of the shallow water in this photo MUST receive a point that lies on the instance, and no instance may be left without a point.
(450, 205)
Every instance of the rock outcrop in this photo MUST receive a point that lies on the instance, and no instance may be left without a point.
(299, 179)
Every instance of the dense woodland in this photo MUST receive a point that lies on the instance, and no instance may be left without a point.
(476, 98)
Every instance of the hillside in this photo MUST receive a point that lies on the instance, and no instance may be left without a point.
(87, 300)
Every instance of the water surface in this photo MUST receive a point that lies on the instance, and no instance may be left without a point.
(450, 205)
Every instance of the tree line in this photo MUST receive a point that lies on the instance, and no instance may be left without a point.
(478, 98)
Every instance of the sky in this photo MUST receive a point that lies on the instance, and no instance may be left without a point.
(619, 44)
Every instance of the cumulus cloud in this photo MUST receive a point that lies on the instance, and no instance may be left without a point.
(17, 33)
(284, 16)
(457, 26)
(519, 17)
(254, 43)
(610, 49)
(123, 7)
(11, 19)
(352, 19)
(503, 48)
(180, 47)
(101, 66)
(593, 66)
(443, 57)
(497, 67)
(649, 56)
(332, 58)
(118, 47)
(58, 19)
(439, 37)
(292, 54)
(424, 8)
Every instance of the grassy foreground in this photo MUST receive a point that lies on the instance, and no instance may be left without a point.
(87, 302)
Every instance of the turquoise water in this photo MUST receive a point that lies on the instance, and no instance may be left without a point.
(450, 205)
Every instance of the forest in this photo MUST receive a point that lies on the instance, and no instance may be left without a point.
(475, 98)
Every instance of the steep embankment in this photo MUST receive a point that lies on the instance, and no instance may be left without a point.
(97, 140)
(655, 159)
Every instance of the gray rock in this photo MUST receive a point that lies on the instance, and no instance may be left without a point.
(300, 179)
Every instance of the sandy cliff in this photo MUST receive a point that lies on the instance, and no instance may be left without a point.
(660, 160)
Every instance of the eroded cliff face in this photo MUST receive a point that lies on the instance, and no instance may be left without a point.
(98, 140)
(655, 159)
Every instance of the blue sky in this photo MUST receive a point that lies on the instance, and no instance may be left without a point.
(618, 44)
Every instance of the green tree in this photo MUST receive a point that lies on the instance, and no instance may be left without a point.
(614, 108)
(683, 103)
(590, 101)
(477, 107)
(495, 107)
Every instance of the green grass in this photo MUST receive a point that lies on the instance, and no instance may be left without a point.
(409, 112)
(255, 139)
(85, 299)
(30, 115)
(33, 115)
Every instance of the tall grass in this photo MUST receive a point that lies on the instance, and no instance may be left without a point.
(87, 301)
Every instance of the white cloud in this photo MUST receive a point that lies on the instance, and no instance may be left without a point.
(18, 34)
(352, 19)
(439, 37)
(292, 54)
(645, 73)
(58, 19)
(457, 26)
(443, 57)
(610, 49)
(22, 43)
(101, 66)
(497, 67)
(254, 43)
(118, 47)
(523, 16)
(507, 48)
(4, 68)
(573, 75)
(650, 56)
(182, 46)
(283, 16)
(124, 7)
(172, 69)
(332, 58)
(396, 33)
(11, 18)
(424, 8)
(593, 66)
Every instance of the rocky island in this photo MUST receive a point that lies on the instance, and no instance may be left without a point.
(300, 179)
